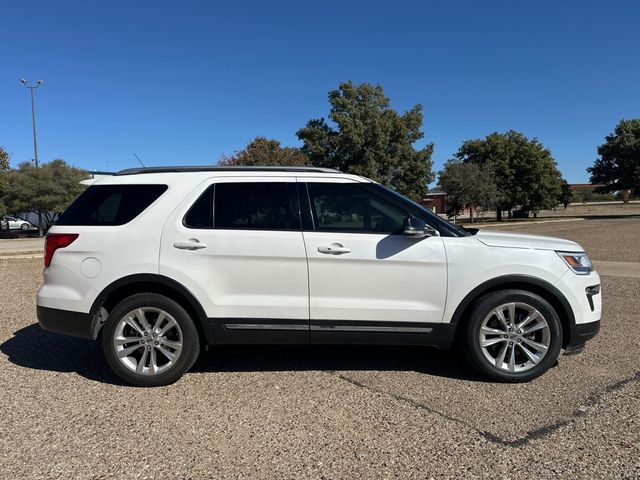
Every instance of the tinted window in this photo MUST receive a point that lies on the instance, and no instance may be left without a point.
(256, 206)
(349, 207)
(110, 204)
(200, 215)
(445, 228)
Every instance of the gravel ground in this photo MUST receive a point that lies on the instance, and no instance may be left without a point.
(294, 412)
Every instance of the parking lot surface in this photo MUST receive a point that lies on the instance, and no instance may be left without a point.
(21, 245)
(325, 412)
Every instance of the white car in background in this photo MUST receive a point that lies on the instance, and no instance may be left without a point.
(158, 263)
(16, 223)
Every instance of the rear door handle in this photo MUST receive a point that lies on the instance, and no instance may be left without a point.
(191, 244)
(334, 249)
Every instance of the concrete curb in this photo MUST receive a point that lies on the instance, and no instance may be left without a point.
(617, 269)
(530, 222)
(19, 255)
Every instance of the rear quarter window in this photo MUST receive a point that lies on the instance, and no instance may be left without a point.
(110, 205)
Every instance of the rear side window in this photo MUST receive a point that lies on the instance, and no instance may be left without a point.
(256, 206)
(109, 205)
(200, 215)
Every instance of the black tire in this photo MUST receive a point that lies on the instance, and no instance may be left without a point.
(24, 226)
(190, 340)
(472, 344)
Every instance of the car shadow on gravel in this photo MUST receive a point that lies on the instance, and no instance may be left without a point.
(32, 347)
(273, 358)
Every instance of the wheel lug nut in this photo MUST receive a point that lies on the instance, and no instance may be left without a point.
(156, 342)
(142, 342)
(506, 336)
(519, 340)
(510, 343)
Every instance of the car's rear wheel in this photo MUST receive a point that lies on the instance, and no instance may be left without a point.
(149, 340)
(513, 336)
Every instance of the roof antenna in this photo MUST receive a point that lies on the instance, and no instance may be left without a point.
(139, 160)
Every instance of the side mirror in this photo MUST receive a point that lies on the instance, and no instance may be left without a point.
(416, 228)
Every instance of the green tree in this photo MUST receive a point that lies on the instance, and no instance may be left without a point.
(566, 195)
(371, 139)
(468, 184)
(49, 188)
(265, 152)
(4, 161)
(618, 167)
(4, 166)
(525, 172)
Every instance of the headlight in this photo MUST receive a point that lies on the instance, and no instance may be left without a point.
(578, 262)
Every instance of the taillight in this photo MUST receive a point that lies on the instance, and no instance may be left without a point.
(55, 241)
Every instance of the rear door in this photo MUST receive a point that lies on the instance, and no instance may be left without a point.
(236, 243)
(368, 282)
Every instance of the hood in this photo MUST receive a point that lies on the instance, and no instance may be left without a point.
(519, 240)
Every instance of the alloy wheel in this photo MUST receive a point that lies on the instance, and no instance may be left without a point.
(514, 337)
(148, 341)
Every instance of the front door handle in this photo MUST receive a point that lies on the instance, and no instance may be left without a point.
(334, 249)
(191, 244)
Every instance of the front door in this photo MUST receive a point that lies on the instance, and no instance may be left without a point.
(367, 282)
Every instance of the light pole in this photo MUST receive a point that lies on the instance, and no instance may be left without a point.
(31, 88)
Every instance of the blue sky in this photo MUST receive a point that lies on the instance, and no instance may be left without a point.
(186, 82)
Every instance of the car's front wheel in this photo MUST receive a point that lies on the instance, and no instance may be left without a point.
(149, 340)
(24, 226)
(513, 335)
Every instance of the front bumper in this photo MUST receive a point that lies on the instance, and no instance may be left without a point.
(65, 322)
(580, 333)
(584, 295)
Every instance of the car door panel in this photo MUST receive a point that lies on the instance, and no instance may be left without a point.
(368, 286)
(253, 283)
(383, 278)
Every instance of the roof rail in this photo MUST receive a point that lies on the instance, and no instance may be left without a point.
(136, 171)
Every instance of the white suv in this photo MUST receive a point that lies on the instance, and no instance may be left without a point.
(160, 262)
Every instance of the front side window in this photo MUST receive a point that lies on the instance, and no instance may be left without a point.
(108, 205)
(256, 206)
(354, 208)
